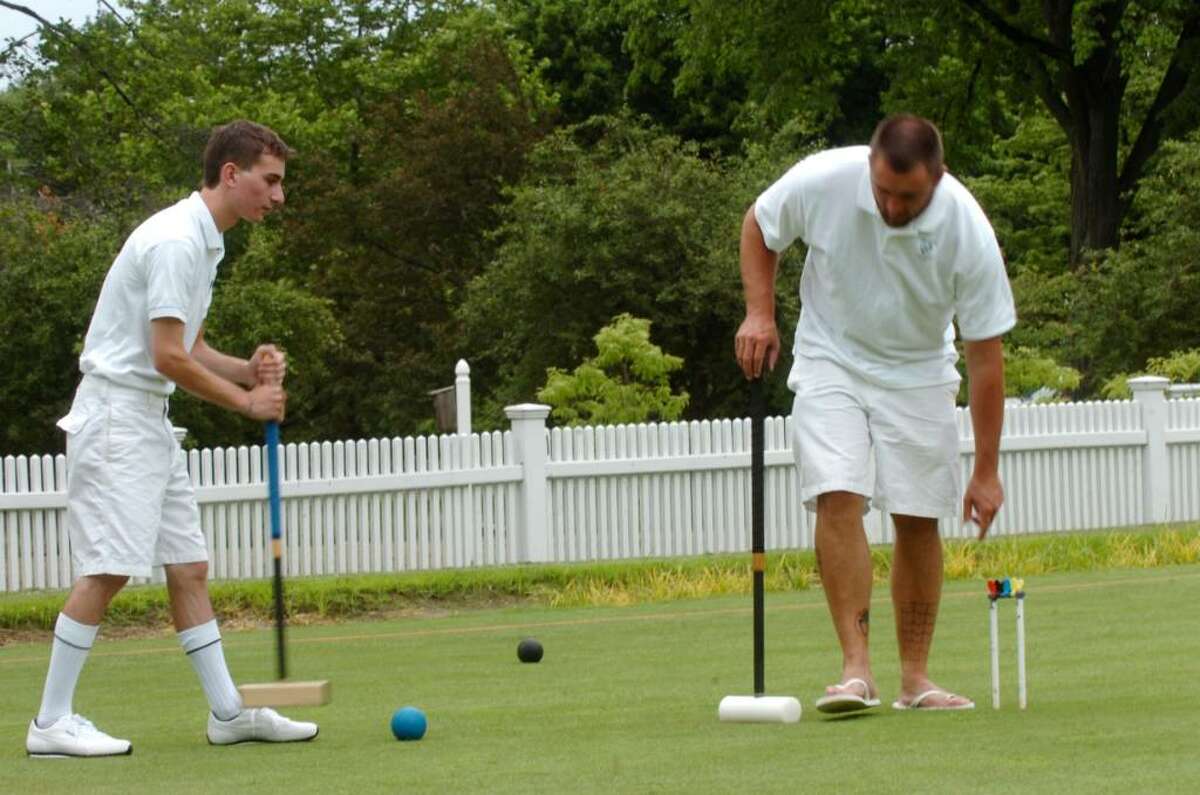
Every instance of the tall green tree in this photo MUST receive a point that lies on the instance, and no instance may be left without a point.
(1140, 303)
(149, 86)
(1118, 76)
(395, 241)
(1025, 189)
(603, 57)
(582, 46)
(408, 119)
(615, 217)
(54, 259)
(818, 64)
(50, 277)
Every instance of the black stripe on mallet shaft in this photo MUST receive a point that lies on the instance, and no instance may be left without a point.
(276, 542)
(279, 640)
(757, 540)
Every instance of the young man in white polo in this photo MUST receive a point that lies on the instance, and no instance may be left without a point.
(130, 502)
(897, 251)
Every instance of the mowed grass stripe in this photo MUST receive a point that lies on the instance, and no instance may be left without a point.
(779, 603)
(625, 704)
(608, 583)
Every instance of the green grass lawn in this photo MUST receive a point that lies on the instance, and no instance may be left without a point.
(625, 701)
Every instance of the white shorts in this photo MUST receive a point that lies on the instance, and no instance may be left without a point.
(130, 502)
(838, 417)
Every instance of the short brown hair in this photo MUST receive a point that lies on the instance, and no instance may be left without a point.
(906, 141)
(241, 142)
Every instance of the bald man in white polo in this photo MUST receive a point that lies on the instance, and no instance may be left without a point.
(899, 252)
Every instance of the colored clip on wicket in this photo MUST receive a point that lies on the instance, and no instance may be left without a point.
(1003, 588)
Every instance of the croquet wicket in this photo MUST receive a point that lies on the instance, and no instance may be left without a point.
(1007, 589)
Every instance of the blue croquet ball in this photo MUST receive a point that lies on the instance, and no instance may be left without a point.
(529, 651)
(408, 723)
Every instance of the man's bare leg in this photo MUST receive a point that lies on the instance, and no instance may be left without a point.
(229, 723)
(192, 613)
(74, 632)
(844, 561)
(91, 595)
(916, 594)
(187, 586)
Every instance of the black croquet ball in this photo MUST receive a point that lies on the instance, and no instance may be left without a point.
(529, 651)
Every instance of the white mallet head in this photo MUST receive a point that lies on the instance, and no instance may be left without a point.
(759, 709)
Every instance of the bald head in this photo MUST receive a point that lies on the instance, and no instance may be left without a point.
(906, 166)
(906, 141)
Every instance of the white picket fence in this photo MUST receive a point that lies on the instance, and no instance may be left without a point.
(571, 494)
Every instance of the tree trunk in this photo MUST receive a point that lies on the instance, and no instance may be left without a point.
(1093, 91)
(1086, 99)
(1095, 193)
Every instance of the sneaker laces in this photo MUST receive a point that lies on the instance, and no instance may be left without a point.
(266, 715)
(80, 726)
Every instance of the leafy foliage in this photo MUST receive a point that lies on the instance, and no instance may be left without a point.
(616, 218)
(1028, 372)
(602, 57)
(495, 181)
(49, 280)
(246, 312)
(1181, 367)
(1140, 302)
(408, 118)
(393, 236)
(1117, 78)
(627, 381)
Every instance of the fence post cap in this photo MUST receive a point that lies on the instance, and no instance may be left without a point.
(462, 368)
(1147, 383)
(527, 411)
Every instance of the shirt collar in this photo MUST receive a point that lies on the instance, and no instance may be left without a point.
(924, 223)
(212, 236)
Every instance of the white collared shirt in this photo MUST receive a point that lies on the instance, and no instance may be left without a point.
(877, 299)
(165, 269)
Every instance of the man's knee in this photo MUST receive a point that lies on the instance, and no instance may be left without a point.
(91, 595)
(840, 505)
(914, 525)
(187, 576)
(103, 586)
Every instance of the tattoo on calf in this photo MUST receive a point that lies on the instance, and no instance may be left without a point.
(864, 622)
(917, 620)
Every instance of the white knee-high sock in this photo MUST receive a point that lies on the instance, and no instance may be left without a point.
(72, 642)
(202, 644)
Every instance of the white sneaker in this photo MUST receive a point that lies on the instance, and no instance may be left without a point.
(73, 735)
(263, 724)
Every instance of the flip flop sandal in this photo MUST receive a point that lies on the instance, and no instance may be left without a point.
(836, 703)
(918, 702)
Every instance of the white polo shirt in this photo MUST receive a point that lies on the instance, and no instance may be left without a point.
(881, 300)
(165, 269)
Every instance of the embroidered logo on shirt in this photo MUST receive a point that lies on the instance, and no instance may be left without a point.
(925, 244)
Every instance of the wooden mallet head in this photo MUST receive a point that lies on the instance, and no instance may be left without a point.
(287, 694)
